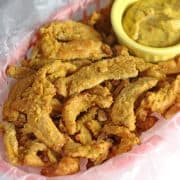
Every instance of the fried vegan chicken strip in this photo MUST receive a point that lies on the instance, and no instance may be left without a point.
(122, 112)
(127, 139)
(164, 68)
(87, 125)
(96, 152)
(10, 142)
(99, 96)
(66, 166)
(158, 101)
(89, 76)
(58, 69)
(66, 51)
(31, 157)
(36, 103)
(59, 37)
(70, 30)
(9, 113)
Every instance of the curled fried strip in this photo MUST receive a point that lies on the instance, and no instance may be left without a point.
(89, 76)
(158, 101)
(10, 142)
(36, 103)
(127, 139)
(9, 113)
(66, 166)
(83, 136)
(97, 151)
(31, 157)
(82, 102)
(122, 112)
(87, 125)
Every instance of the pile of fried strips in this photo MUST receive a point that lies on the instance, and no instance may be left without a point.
(82, 96)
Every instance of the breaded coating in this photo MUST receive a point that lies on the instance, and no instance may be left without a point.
(36, 104)
(31, 157)
(10, 113)
(164, 68)
(89, 76)
(56, 106)
(10, 142)
(66, 166)
(122, 84)
(58, 69)
(158, 101)
(173, 109)
(142, 65)
(88, 121)
(18, 72)
(83, 136)
(77, 49)
(126, 140)
(96, 152)
(37, 63)
(70, 30)
(94, 126)
(122, 112)
(99, 96)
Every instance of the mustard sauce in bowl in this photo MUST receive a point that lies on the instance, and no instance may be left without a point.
(149, 28)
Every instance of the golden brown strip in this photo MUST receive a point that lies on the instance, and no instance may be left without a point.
(122, 112)
(77, 49)
(89, 76)
(10, 142)
(18, 72)
(66, 166)
(82, 102)
(97, 151)
(70, 30)
(158, 101)
(127, 139)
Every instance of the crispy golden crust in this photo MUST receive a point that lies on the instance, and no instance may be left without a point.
(164, 68)
(82, 102)
(9, 113)
(97, 151)
(122, 112)
(70, 30)
(58, 37)
(127, 139)
(169, 67)
(83, 135)
(36, 104)
(31, 157)
(80, 49)
(89, 76)
(10, 142)
(159, 101)
(66, 166)
(18, 72)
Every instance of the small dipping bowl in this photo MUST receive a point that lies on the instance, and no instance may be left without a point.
(150, 54)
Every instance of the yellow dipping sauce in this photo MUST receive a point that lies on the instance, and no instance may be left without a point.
(154, 23)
